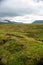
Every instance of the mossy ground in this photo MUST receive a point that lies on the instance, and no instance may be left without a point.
(21, 44)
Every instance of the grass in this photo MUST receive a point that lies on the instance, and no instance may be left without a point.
(21, 44)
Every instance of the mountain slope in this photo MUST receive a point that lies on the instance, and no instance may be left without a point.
(9, 22)
(38, 22)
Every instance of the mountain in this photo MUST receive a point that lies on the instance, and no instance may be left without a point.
(38, 22)
(9, 22)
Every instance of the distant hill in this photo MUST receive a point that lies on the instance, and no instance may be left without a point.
(9, 22)
(38, 22)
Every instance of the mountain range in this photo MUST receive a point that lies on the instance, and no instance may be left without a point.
(38, 22)
(9, 22)
(13, 22)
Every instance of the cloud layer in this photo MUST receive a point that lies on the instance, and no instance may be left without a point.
(20, 8)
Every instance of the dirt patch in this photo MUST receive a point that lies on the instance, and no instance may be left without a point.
(40, 40)
(3, 41)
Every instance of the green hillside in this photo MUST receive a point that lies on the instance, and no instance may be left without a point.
(21, 44)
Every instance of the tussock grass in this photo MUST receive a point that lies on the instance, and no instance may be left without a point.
(21, 44)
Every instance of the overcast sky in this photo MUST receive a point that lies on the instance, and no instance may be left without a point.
(21, 10)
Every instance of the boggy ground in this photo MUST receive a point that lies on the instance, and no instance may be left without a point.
(21, 44)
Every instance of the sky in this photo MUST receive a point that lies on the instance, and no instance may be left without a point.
(25, 11)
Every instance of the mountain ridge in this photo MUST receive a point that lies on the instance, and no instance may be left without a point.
(38, 22)
(9, 22)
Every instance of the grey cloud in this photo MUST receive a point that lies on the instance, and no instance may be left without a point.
(1, 1)
(17, 12)
(16, 8)
(37, 1)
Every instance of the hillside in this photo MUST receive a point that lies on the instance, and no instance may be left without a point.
(21, 44)
(9, 22)
(38, 22)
